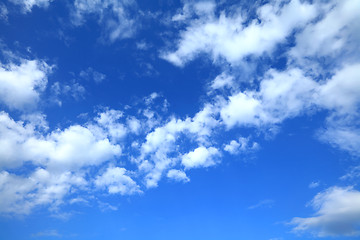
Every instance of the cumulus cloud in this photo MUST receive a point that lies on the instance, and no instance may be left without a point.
(227, 37)
(177, 175)
(162, 145)
(341, 92)
(58, 157)
(304, 86)
(337, 214)
(71, 148)
(281, 95)
(335, 34)
(116, 181)
(22, 84)
(200, 157)
(22, 194)
(110, 120)
(242, 145)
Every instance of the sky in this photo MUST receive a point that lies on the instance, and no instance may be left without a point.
(179, 119)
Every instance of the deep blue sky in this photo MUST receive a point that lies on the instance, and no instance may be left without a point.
(129, 119)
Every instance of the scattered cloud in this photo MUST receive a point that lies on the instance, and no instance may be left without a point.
(91, 74)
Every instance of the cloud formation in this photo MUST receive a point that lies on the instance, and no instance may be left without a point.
(337, 214)
(21, 84)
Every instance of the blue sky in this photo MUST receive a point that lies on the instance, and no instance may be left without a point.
(129, 119)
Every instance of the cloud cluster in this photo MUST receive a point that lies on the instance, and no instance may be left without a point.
(230, 38)
(97, 155)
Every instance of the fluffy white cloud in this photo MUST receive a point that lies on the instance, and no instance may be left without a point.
(227, 37)
(177, 175)
(281, 95)
(160, 151)
(21, 85)
(242, 145)
(59, 157)
(200, 157)
(341, 92)
(335, 34)
(337, 214)
(27, 5)
(116, 181)
(110, 121)
(71, 148)
(21, 194)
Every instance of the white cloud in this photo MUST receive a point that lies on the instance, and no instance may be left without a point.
(202, 8)
(3, 12)
(341, 92)
(59, 158)
(354, 173)
(134, 125)
(116, 181)
(343, 137)
(21, 85)
(110, 120)
(112, 15)
(200, 157)
(90, 73)
(337, 214)
(335, 34)
(71, 148)
(21, 194)
(177, 175)
(281, 95)
(314, 184)
(222, 81)
(242, 145)
(27, 5)
(227, 37)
